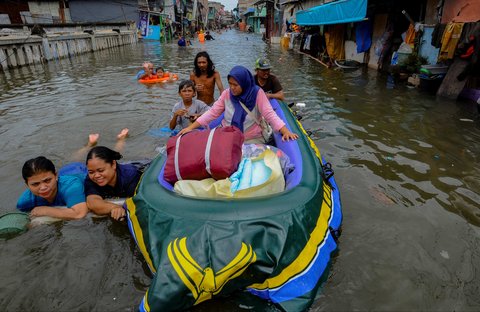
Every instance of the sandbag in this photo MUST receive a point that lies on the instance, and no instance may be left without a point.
(198, 155)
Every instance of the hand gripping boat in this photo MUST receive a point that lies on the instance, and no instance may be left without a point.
(276, 247)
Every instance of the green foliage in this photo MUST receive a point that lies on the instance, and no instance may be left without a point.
(413, 63)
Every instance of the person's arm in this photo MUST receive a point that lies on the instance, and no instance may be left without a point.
(193, 126)
(173, 122)
(201, 108)
(26, 201)
(215, 111)
(140, 74)
(287, 135)
(279, 95)
(176, 114)
(75, 212)
(71, 189)
(147, 72)
(145, 75)
(277, 90)
(218, 82)
(272, 118)
(100, 206)
(94, 200)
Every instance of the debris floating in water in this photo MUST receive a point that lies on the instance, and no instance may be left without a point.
(465, 119)
(444, 254)
(300, 105)
(245, 307)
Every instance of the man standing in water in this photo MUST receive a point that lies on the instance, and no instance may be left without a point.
(268, 82)
(205, 78)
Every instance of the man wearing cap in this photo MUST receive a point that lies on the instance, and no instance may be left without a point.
(268, 82)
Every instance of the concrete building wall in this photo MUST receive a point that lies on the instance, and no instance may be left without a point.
(52, 8)
(46, 9)
(12, 9)
(310, 4)
(204, 10)
(243, 5)
(431, 12)
(461, 11)
(104, 11)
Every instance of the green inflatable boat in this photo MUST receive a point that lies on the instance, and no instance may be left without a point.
(276, 247)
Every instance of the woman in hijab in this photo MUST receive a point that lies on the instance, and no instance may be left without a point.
(243, 90)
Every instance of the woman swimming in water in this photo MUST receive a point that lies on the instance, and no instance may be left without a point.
(46, 190)
(108, 179)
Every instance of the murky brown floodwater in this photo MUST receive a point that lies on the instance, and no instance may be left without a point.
(407, 167)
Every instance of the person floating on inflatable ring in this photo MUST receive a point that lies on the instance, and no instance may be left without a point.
(147, 71)
(161, 73)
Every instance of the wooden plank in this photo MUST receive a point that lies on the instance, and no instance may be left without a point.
(451, 87)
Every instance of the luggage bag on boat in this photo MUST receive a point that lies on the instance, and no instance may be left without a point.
(202, 154)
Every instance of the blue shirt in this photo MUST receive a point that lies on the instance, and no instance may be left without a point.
(69, 193)
(181, 42)
(127, 179)
(142, 72)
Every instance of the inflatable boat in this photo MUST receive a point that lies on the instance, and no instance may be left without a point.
(276, 247)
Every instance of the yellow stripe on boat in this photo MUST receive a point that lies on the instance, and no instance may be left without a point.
(138, 233)
(307, 255)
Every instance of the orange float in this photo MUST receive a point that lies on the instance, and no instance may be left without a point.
(156, 79)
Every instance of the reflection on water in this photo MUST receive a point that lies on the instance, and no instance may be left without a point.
(406, 164)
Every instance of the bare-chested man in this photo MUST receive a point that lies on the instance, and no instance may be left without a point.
(205, 77)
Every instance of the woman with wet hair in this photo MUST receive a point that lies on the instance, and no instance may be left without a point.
(47, 190)
(108, 179)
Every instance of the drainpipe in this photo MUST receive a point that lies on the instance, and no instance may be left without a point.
(61, 11)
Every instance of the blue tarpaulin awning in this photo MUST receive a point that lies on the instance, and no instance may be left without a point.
(249, 11)
(338, 12)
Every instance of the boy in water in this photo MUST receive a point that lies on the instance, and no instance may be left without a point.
(188, 109)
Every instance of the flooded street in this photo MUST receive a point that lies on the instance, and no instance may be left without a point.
(407, 165)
